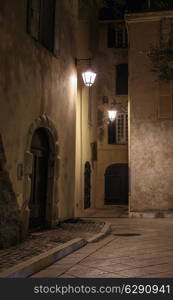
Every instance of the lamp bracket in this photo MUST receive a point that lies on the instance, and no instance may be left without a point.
(77, 60)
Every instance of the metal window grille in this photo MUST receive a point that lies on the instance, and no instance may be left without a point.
(122, 128)
(117, 36)
(118, 130)
(120, 38)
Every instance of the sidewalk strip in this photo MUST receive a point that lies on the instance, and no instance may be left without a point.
(43, 260)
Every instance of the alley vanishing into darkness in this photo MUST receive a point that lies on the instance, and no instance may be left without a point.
(134, 248)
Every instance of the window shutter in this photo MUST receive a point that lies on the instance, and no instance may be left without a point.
(165, 109)
(33, 25)
(112, 133)
(83, 9)
(122, 79)
(117, 36)
(57, 24)
(47, 23)
(122, 128)
(118, 130)
(111, 36)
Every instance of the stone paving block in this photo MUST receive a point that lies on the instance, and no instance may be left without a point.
(66, 275)
(108, 267)
(86, 272)
(40, 242)
(151, 261)
(52, 272)
(68, 260)
(148, 255)
(105, 275)
(160, 275)
(140, 272)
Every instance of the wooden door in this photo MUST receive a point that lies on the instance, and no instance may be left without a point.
(39, 180)
(116, 184)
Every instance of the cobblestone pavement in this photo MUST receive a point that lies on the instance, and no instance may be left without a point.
(39, 242)
(135, 248)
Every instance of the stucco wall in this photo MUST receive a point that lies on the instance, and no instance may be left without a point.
(151, 146)
(33, 81)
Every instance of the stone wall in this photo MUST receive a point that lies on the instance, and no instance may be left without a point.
(151, 143)
(34, 82)
(9, 211)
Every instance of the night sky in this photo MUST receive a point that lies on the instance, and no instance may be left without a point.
(117, 8)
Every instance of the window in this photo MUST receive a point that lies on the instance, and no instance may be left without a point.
(94, 151)
(165, 105)
(41, 25)
(117, 36)
(149, 5)
(83, 9)
(166, 29)
(118, 130)
(122, 79)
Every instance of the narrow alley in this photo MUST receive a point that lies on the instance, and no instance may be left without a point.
(134, 248)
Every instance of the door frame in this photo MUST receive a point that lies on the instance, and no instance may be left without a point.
(87, 171)
(41, 153)
(52, 217)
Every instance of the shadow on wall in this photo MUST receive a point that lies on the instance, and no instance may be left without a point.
(9, 211)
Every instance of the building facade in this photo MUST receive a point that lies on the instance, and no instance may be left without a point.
(151, 122)
(60, 156)
(38, 115)
(133, 166)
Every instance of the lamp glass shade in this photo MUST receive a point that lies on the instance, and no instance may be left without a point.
(112, 115)
(88, 77)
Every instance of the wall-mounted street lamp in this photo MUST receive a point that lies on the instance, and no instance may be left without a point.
(112, 115)
(89, 75)
(114, 109)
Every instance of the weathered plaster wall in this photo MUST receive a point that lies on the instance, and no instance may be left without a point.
(33, 81)
(151, 144)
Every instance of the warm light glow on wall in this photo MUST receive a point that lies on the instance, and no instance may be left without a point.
(73, 81)
(72, 86)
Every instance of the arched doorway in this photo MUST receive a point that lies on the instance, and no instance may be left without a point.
(116, 184)
(87, 185)
(52, 212)
(40, 185)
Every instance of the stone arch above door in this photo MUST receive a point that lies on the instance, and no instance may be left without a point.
(41, 122)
